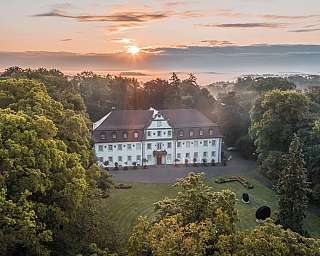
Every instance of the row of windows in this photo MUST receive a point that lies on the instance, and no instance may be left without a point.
(159, 133)
(120, 159)
(192, 133)
(124, 135)
(196, 155)
(120, 146)
(195, 143)
(149, 157)
(159, 145)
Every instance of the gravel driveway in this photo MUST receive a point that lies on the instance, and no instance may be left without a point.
(169, 174)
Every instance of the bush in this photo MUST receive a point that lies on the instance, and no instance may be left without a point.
(123, 186)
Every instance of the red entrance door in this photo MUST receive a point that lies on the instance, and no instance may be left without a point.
(159, 159)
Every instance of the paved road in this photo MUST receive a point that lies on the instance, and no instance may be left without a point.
(169, 174)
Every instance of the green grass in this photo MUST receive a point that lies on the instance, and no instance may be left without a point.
(127, 205)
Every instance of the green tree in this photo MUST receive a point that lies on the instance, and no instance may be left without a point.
(32, 98)
(293, 189)
(275, 117)
(189, 224)
(267, 239)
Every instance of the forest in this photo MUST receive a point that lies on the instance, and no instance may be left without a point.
(51, 188)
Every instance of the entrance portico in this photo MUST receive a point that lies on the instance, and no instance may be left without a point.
(160, 156)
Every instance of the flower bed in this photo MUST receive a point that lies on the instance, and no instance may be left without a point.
(242, 180)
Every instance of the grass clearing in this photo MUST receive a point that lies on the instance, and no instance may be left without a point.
(128, 204)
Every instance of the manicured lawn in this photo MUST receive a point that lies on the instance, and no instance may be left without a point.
(127, 205)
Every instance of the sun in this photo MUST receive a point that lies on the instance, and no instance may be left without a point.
(132, 49)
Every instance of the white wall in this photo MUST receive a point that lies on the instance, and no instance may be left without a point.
(198, 146)
(115, 153)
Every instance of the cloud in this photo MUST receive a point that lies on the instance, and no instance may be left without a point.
(217, 42)
(245, 25)
(114, 17)
(288, 17)
(66, 40)
(305, 30)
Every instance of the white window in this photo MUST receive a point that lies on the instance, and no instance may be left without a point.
(138, 146)
(158, 146)
(195, 155)
(187, 155)
(169, 133)
(180, 133)
(211, 132)
(149, 157)
(159, 133)
(213, 153)
(169, 145)
(149, 146)
(120, 158)
(159, 123)
(205, 154)
(102, 136)
(119, 146)
(110, 147)
(100, 159)
(129, 147)
(205, 143)
(125, 135)
(100, 148)
(179, 144)
(188, 144)
(114, 135)
(213, 142)
(179, 155)
(149, 133)
(110, 159)
(191, 133)
(138, 158)
(129, 158)
(136, 135)
(201, 132)
(196, 143)
(169, 157)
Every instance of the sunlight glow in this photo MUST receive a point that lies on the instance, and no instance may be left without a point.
(132, 49)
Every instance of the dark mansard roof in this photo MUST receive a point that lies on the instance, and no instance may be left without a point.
(130, 121)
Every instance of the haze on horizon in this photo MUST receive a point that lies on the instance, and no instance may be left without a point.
(208, 36)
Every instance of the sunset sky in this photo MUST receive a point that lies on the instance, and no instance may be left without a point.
(96, 34)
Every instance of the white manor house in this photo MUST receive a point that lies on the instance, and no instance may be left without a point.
(151, 137)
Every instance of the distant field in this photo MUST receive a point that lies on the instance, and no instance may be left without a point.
(128, 205)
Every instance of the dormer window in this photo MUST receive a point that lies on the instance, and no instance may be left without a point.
(191, 133)
(125, 135)
(102, 136)
(201, 132)
(114, 135)
(136, 135)
(181, 133)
